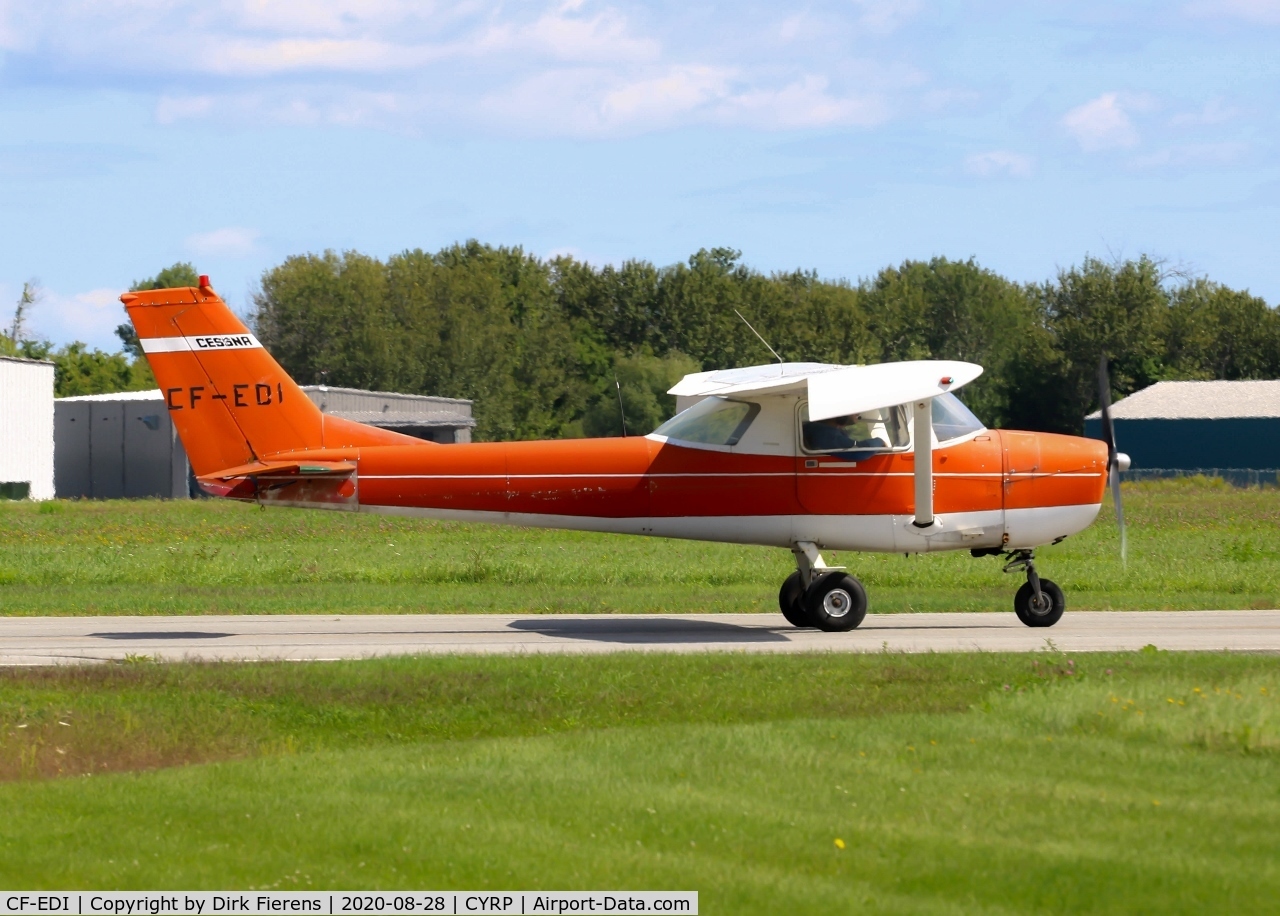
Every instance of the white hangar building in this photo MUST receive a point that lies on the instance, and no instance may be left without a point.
(26, 428)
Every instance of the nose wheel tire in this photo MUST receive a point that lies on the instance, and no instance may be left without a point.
(835, 602)
(791, 601)
(1043, 613)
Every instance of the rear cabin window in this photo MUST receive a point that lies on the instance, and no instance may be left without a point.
(712, 421)
(951, 419)
(882, 429)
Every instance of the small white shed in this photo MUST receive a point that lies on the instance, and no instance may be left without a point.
(26, 428)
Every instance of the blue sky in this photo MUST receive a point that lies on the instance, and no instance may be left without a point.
(836, 136)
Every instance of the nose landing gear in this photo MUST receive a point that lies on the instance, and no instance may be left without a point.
(1040, 602)
(817, 595)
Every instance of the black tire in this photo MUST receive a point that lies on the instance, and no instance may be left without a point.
(1032, 616)
(835, 602)
(790, 601)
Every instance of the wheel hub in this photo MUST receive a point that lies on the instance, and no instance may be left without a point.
(837, 603)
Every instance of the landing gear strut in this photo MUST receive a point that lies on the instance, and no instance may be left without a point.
(817, 595)
(1040, 602)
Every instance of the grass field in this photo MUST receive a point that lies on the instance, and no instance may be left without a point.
(1143, 782)
(1192, 544)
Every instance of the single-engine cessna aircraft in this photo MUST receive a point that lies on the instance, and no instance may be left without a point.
(803, 456)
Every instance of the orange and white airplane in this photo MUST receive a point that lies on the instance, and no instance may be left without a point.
(802, 456)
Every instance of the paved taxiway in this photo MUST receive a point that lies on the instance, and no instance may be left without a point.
(63, 640)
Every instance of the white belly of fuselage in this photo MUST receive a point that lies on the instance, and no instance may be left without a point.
(1013, 528)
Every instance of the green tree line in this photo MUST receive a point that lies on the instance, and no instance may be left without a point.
(545, 346)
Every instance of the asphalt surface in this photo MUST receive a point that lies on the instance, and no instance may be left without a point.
(73, 640)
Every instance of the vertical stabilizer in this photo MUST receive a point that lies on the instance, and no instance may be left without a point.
(230, 400)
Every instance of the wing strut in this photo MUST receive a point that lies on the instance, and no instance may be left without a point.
(923, 421)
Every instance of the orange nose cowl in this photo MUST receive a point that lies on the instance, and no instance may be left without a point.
(1047, 469)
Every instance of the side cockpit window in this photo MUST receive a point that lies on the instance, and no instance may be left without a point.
(712, 421)
(876, 430)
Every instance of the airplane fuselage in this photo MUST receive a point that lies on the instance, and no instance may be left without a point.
(997, 489)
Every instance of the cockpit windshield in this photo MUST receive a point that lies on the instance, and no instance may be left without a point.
(951, 419)
(884, 428)
(712, 421)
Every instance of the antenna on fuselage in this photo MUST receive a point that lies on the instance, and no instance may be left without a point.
(623, 413)
(762, 340)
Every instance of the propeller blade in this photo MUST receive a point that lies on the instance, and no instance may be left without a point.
(1104, 402)
(1114, 473)
(1113, 460)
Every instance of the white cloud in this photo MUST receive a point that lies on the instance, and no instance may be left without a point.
(248, 38)
(287, 55)
(593, 102)
(606, 37)
(564, 67)
(1266, 12)
(804, 103)
(320, 17)
(796, 26)
(1194, 155)
(1215, 111)
(1101, 124)
(90, 316)
(999, 162)
(293, 106)
(228, 242)
(886, 15)
(660, 98)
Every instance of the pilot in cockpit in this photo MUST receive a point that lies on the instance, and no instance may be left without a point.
(841, 433)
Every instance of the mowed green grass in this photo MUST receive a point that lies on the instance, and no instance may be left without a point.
(1140, 782)
(1192, 544)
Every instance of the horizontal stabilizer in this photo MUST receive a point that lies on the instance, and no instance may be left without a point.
(273, 468)
(307, 483)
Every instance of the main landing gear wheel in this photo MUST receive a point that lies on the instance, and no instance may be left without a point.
(1044, 612)
(790, 601)
(835, 602)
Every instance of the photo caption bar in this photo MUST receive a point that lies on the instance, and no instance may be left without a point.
(342, 903)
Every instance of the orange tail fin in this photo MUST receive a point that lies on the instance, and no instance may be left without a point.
(231, 402)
